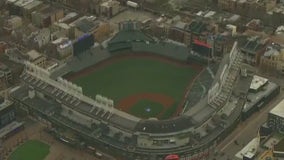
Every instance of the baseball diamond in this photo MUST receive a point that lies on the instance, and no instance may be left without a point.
(142, 84)
(39, 149)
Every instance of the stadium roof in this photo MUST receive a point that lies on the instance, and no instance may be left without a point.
(164, 126)
(122, 121)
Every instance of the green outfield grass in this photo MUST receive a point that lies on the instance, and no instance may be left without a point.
(134, 76)
(31, 150)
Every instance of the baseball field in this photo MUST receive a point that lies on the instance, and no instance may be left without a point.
(30, 150)
(144, 86)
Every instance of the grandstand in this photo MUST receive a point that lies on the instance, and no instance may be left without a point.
(191, 134)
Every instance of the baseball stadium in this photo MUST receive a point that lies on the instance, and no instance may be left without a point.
(39, 149)
(138, 97)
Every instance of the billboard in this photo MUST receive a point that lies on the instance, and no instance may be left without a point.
(201, 48)
(83, 43)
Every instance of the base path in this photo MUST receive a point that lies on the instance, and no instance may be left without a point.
(126, 103)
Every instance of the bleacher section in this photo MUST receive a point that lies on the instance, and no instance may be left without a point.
(137, 41)
(201, 86)
(167, 49)
(125, 39)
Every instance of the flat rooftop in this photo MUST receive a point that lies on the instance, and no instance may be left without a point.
(22, 3)
(255, 97)
(33, 5)
(249, 150)
(5, 104)
(33, 54)
(278, 110)
(258, 82)
(12, 1)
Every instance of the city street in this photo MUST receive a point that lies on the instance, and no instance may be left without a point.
(246, 130)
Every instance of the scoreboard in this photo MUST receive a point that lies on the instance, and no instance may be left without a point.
(83, 43)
